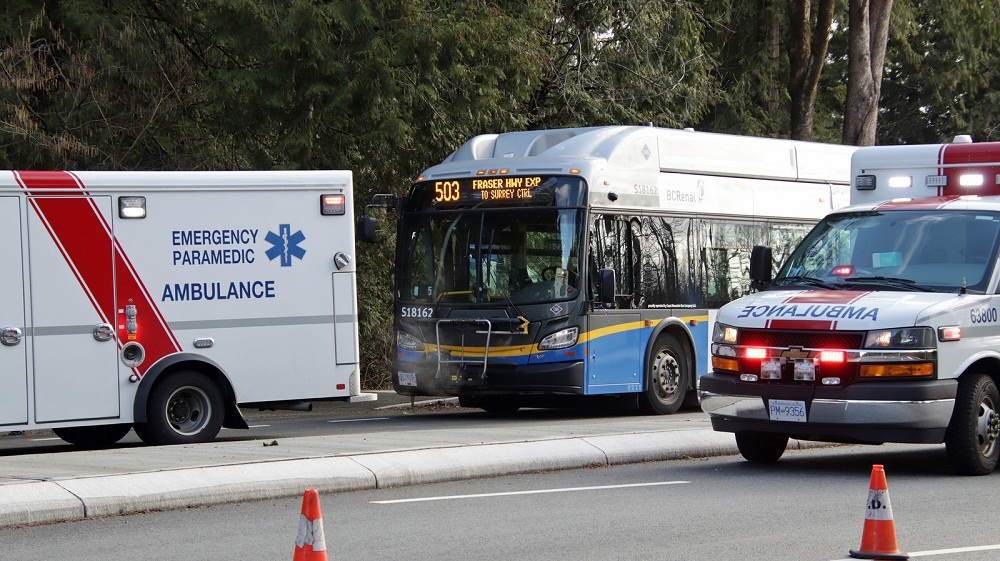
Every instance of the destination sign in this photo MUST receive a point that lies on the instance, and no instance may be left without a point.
(497, 191)
(486, 189)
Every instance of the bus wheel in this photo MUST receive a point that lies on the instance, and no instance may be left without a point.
(98, 436)
(761, 447)
(184, 408)
(667, 378)
(971, 439)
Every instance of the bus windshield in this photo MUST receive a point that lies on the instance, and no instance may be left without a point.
(942, 251)
(473, 256)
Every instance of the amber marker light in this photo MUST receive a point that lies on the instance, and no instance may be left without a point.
(896, 370)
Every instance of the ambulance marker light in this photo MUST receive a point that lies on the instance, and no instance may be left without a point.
(331, 205)
(950, 333)
(132, 207)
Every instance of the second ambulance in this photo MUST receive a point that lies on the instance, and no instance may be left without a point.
(883, 325)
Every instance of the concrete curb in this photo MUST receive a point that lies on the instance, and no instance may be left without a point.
(72, 499)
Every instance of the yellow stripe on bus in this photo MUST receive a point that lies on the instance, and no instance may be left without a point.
(523, 350)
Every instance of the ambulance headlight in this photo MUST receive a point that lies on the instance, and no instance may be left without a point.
(560, 339)
(724, 334)
(901, 338)
(408, 342)
(132, 207)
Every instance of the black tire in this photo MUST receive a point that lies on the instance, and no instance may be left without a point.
(761, 447)
(668, 377)
(100, 436)
(184, 408)
(971, 439)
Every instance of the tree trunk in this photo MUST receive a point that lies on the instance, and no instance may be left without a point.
(806, 55)
(868, 34)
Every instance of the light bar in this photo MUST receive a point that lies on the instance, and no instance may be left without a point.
(936, 181)
(900, 181)
(971, 180)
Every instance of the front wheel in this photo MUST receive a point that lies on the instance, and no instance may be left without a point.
(184, 408)
(761, 447)
(971, 439)
(99, 436)
(668, 376)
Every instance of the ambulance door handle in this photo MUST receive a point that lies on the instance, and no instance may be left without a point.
(103, 332)
(10, 336)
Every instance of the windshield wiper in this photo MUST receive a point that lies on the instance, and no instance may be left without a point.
(889, 281)
(808, 281)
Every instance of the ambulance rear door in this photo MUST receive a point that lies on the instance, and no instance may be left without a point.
(72, 280)
(13, 347)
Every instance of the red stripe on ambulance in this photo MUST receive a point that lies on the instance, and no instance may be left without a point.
(80, 231)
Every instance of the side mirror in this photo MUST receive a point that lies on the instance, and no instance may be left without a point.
(367, 231)
(760, 267)
(606, 285)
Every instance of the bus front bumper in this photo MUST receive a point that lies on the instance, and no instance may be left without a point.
(411, 378)
(870, 413)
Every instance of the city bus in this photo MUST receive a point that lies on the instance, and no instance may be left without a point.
(541, 265)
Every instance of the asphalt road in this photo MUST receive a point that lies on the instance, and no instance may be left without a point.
(809, 506)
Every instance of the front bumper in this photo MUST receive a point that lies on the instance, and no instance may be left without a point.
(501, 378)
(871, 413)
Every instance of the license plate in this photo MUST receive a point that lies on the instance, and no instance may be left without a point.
(408, 379)
(787, 410)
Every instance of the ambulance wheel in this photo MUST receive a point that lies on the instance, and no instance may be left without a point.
(667, 377)
(761, 447)
(971, 439)
(184, 408)
(99, 436)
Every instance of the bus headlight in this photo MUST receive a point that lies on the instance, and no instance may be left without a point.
(560, 339)
(408, 342)
(901, 338)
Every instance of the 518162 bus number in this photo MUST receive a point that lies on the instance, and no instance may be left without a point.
(415, 312)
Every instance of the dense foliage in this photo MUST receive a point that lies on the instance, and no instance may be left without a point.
(388, 87)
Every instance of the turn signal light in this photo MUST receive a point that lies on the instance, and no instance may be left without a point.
(896, 370)
(723, 363)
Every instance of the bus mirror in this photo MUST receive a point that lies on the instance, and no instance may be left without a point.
(760, 266)
(367, 231)
(606, 285)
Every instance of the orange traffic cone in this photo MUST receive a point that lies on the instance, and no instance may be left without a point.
(879, 538)
(310, 545)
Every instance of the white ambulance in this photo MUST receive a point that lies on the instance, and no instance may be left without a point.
(163, 300)
(882, 325)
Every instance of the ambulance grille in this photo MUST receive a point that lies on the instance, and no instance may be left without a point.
(804, 339)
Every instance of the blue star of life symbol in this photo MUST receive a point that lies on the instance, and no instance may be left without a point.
(285, 245)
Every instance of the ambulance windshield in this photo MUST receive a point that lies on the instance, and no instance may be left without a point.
(928, 250)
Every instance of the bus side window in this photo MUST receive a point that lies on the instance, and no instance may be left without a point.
(614, 245)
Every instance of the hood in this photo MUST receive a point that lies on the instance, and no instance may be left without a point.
(849, 310)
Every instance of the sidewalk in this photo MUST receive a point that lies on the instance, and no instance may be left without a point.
(55, 487)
